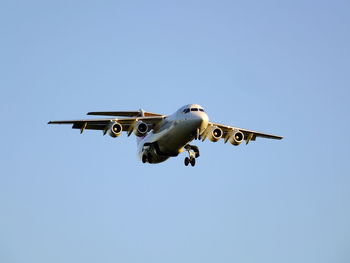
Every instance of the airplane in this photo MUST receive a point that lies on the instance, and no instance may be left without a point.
(160, 137)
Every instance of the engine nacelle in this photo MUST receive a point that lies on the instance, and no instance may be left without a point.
(140, 129)
(236, 137)
(215, 134)
(115, 129)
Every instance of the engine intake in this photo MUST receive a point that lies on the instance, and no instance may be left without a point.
(215, 134)
(236, 137)
(115, 129)
(141, 129)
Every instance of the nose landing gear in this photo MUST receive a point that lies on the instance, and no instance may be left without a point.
(190, 160)
(193, 153)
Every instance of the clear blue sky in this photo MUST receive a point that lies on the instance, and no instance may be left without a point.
(274, 66)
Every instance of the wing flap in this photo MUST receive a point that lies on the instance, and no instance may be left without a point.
(89, 126)
(101, 121)
(259, 134)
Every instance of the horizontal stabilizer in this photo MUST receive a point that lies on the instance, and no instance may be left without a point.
(139, 113)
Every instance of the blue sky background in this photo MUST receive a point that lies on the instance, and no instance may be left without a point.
(274, 66)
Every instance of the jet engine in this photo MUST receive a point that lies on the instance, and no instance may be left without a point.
(215, 134)
(236, 137)
(115, 129)
(140, 129)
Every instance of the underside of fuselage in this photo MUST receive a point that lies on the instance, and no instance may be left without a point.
(172, 136)
(169, 144)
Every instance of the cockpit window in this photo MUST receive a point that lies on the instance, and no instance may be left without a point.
(192, 109)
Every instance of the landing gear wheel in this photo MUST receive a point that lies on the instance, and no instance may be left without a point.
(193, 161)
(193, 152)
(150, 158)
(144, 159)
(187, 161)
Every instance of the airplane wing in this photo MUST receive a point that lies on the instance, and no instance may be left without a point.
(249, 135)
(103, 124)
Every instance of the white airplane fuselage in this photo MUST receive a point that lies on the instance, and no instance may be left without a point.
(170, 137)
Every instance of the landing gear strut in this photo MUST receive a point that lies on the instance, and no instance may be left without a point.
(198, 136)
(193, 153)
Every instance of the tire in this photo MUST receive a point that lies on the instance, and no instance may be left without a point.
(193, 161)
(187, 161)
(144, 159)
(150, 158)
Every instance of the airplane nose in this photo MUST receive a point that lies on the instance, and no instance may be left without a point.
(203, 120)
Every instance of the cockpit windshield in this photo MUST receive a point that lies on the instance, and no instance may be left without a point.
(187, 110)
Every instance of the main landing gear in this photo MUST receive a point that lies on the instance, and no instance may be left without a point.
(147, 158)
(193, 153)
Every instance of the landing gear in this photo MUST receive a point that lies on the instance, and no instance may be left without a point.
(150, 158)
(147, 158)
(193, 161)
(198, 136)
(144, 158)
(190, 160)
(192, 150)
(193, 153)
